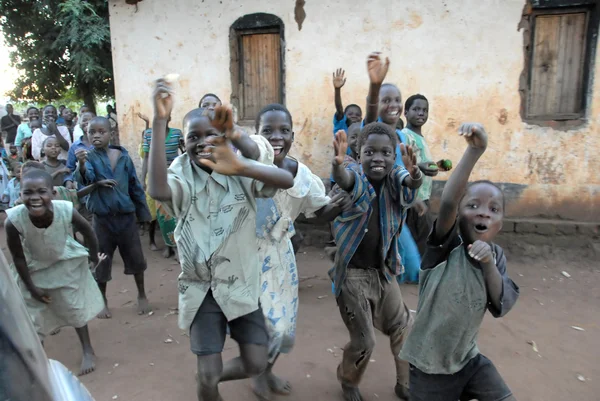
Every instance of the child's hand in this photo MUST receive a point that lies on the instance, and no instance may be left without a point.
(481, 252)
(340, 146)
(222, 121)
(143, 117)
(226, 162)
(409, 158)
(107, 183)
(430, 169)
(95, 262)
(338, 78)
(475, 135)
(343, 200)
(377, 68)
(70, 184)
(39, 295)
(420, 207)
(162, 98)
(81, 155)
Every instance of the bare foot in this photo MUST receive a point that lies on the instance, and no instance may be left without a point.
(88, 363)
(143, 306)
(260, 387)
(168, 252)
(278, 385)
(153, 247)
(401, 391)
(105, 313)
(351, 393)
(55, 332)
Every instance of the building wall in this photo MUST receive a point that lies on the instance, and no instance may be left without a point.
(466, 57)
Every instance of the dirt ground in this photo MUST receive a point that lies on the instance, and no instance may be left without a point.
(135, 363)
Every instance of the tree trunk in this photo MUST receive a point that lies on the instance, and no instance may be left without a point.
(87, 94)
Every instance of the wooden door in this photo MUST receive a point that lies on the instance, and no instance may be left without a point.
(261, 72)
(556, 86)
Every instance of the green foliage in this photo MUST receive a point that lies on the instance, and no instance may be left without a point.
(59, 45)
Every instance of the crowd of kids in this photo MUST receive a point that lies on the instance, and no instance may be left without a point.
(226, 204)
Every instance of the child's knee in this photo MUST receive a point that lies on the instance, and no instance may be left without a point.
(208, 377)
(256, 364)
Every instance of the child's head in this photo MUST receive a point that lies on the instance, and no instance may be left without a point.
(12, 148)
(67, 114)
(377, 144)
(416, 110)
(49, 113)
(109, 109)
(31, 165)
(99, 132)
(51, 148)
(85, 120)
(197, 128)
(18, 171)
(353, 135)
(390, 104)
(35, 124)
(481, 211)
(33, 113)
(353, 113)
(83, 109)
(274, 123)
(209, 101)
(37, 192)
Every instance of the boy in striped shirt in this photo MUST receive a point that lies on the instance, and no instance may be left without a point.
(367, 258)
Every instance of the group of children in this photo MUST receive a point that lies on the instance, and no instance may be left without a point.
(232, 200)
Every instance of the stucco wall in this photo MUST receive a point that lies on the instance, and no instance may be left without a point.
(466, 57)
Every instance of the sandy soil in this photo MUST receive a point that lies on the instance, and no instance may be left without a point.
(135, 363)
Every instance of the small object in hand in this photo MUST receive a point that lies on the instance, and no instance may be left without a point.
(433, 166)
(170, 78)
(444, 165)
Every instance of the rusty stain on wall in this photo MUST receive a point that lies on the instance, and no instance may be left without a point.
(299, 13)
(503, 117)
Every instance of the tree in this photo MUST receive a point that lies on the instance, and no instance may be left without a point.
(59, 45)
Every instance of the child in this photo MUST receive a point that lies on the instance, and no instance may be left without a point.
(55, 279)
(115, 209)
(12, 157)
(274, 229)
(343, 118)
(211, 193)
(61, 175)
(13, 189)
(367, 257)
(25, 130)
(49, 128)
(80, 131)
(209, 101)
(463, 275)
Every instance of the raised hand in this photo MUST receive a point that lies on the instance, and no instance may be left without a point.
(339, 78)
(225, 162)
(223, 122)
(81, 155)
(430, 169)
(162, 98)
(409, 158)
(340, 146)
(481, 251)
(143, 117)
(377, 68)
(474, 134)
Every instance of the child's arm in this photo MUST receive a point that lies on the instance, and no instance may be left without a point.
(84, 174)
(62, 141)
(409, 158)
(89, 236)
(137, 194)
(83, 192)
(71, 160)
(145, 169)
(13, 240)
(158, 186)
(223, 122)
(454, 189)
(339, 203)
(377, 71)
(227, 163)
(338, 81)
(342, 176)
(146, 120)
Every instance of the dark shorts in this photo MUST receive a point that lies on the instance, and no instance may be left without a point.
(478, 380)
(118, 231)
(209, 328)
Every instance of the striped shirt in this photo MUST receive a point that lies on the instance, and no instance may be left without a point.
(171, 143)
(350, 227)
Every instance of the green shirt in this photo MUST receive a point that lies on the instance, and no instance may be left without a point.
(423, 155)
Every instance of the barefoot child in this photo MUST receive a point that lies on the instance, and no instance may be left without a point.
(211, 192)
(367, 259)
(55, 278)
(343, 118)
(275, 229)
(463, 275)
(115, 209)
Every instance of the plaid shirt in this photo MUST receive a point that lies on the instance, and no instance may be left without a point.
(350, 227)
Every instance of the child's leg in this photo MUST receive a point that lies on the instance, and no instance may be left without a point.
(88, 362)
(106, 244)
(152, 235)
(130, 248)
(485, 382)
(354, 304)
(392, 317)
(210, 368)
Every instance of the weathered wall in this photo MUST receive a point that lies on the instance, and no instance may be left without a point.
(466, 57)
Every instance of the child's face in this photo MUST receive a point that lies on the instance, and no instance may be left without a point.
(50, 114)
(276, 127)
(13, 150)
(210, 102)
(354, 114)
(418, 113)
(377, 156)
(67, 114)
(52, 148)
(353, 133)
(197, 131)
(480, 213)
(37, 194)
(85, 120)
(390, 105)
(33, 114)
(99, 133)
